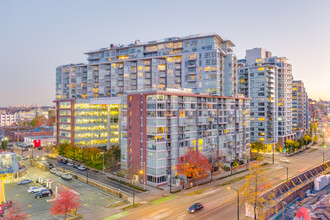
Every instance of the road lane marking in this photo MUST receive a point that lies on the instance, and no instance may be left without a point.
(29, 205)
(218, 206)
(181, 217)
(17, 195)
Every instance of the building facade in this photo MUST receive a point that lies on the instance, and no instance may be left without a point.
(203, 63)
(267, 80)
(88, 122)
(158, 127)
(155, 100)
(299, 108)
(8, 118)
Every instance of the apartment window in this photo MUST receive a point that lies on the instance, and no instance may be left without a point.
(130, 128)
(130, 144)
(130, 105)
(130, 135)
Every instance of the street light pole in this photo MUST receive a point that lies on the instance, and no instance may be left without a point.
(274, 154)
(287, 172)
(103, 163)
(237, 191)
(144, 175)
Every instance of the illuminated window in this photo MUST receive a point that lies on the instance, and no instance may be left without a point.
(207, 69)
(151, 48)
(261, 119)
(83, 96)
(126, 75)
(200, 141)
(182, 114)
(109, 58)
(192, 56)
(261, 69)
(178, 45)
(124, 57)
(213, 68)
(169, 45)
(113, 65)
(161, 67)
(259, 60)
(242, 80)
(65, 104)
(251, 119)
(200, 69)
(160, 46)
(130, 98)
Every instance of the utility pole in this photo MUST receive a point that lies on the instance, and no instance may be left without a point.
(103, 163)
(133, 196)
(274, 154)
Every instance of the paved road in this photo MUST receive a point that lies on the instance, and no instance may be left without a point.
(96, 176)
(221, 203)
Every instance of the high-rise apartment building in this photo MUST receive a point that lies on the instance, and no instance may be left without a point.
(267, 80)
(157, 127)
(299, 108)
(203, 63)
(155, 100)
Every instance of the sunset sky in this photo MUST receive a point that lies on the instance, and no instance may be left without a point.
(38, 36)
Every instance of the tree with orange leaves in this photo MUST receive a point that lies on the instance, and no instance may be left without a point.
(65, 202)
(193, 164)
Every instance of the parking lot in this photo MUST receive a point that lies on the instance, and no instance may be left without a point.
(94, 202)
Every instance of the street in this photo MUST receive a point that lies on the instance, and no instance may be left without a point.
(219, 202)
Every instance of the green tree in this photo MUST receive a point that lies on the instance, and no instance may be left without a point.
(253, 190)
(257, 146)
(315, 138)
(4, 144)
(112, 157)
(291, 145)
(61, 148)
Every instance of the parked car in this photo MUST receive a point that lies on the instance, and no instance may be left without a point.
(31, 189)
(24, 157)
(69, 164)
(60, 160)
(82, 168)
(25, 149)
(39, 148)
(53, 170)
(51, 166)
(35, 189)
(283, 160)
(195, 208)
(43, 193)
(58, 173)
(66, 176)
(75, 166)
(25, 181)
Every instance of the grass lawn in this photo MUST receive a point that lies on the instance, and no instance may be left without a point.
(164, 199)
(117, 216)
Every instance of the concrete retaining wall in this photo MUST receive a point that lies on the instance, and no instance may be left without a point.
(97, 184)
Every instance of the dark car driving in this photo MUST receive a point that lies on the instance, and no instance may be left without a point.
(195, 208)
(43, 193)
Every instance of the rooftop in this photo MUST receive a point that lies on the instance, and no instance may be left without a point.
(137, 43)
